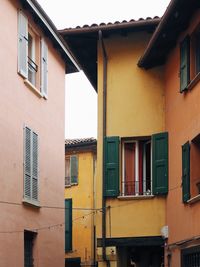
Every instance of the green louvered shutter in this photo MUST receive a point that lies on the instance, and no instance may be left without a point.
(68, 225)
(111, 166)
(160, 163)
(186, 172)
(184, 63)
(74, 169)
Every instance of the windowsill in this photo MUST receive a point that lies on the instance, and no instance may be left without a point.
(33, 88)
(194, 199)
(139, 197)
(194, 81)
(70, 185)
(32, 203)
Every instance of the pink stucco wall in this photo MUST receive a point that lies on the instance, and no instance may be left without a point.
(19, 106)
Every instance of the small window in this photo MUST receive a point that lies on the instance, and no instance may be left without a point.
(29, 240)
(190, 257)
(136, 178)
(71, 170)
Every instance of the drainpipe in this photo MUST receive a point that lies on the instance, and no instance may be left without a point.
(105, 59)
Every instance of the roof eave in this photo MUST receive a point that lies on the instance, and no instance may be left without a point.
(51, 28)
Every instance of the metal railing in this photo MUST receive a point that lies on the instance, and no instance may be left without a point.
(136, 188)
(32, 70)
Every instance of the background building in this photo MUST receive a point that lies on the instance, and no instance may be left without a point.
(80, 202)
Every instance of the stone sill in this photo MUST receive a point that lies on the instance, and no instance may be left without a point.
(194, 199)
(33, 88)
(135, 197)
(32, 203)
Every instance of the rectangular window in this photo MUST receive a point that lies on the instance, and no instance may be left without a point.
(32, 55)
(136, 178)
(68, 225)
(30, 165)
(71, 170)
(190, 169)
(28, 248)
(190, 257)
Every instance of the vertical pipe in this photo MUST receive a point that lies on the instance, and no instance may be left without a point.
(103, 148)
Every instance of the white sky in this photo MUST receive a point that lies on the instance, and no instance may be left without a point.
(81, 98)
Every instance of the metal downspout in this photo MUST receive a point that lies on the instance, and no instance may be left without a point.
(105, 59)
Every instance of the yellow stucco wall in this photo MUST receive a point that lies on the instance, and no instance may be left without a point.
(135, 107)
(82, 197)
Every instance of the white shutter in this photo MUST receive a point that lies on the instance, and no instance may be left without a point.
(27, 162)
(22, 44)
(34, 166)
(44, 68)
(30, 164)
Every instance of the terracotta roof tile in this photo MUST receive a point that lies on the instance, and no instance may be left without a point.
(80, 141)
(103, 24)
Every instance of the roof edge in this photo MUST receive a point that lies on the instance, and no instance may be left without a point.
(111, 26)
(161, 25)
(39, 11)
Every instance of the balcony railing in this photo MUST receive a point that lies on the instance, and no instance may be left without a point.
(136, 188)
(32, 70)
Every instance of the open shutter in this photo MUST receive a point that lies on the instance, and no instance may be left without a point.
(198, 53)
(186, 172)
(44, 69)
(22, 44)
(68, 225)
(27, 162)
(74, 169)
(184, 64)
(160, 163)
(34, 166)
(111, 166)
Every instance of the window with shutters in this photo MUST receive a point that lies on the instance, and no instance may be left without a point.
(191, 170)
(136, 167)
(71, 170)
(30, 166)
(32, 56)
(190, 60)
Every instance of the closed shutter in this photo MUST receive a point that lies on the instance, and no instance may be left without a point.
(186, 172)
(68, 225)
(27, 163)
(198, 53)
(30, 164)
(44, 68)
(184, 64)
(160, 163)
(22, 44)
(111, 166)
(34, 166)
(74, 169)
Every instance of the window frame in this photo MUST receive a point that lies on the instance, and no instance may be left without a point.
(70, 170)
(137, 178)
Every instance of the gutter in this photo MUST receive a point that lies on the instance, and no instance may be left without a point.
(105, 60)
(52, 29)
(155, 36)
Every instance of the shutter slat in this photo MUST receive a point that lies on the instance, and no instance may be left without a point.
(160, 163)
(22, 44)
(184, 63)
(44, 68)
(186, 172)
(111, 166)
(34, 166)
(27, 162)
